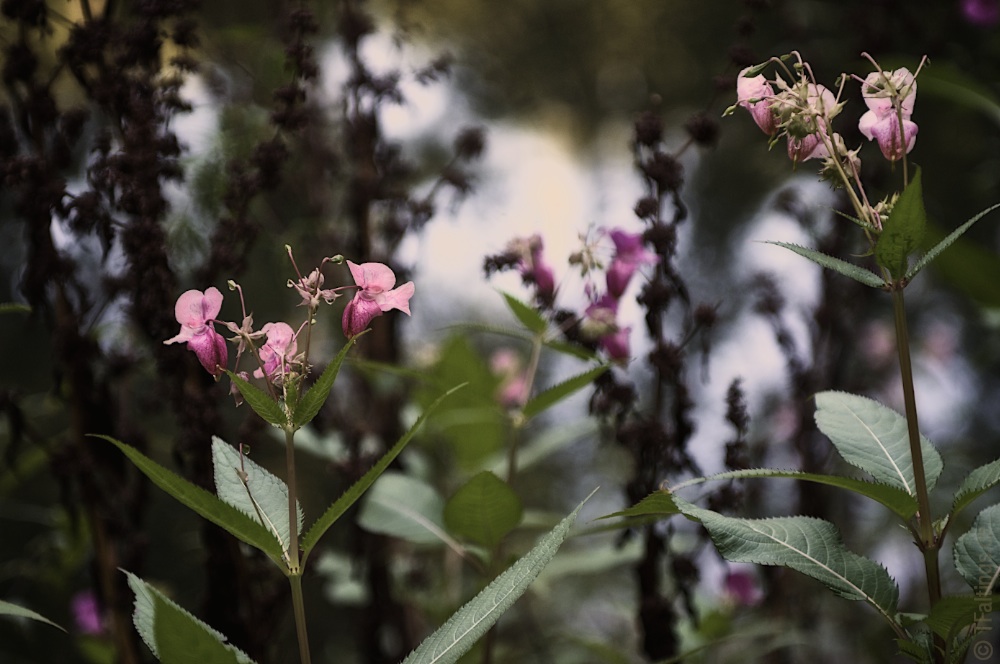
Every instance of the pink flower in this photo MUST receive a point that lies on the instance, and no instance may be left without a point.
(757, 89)
(532, 265)
(809, 147)
(882, 92)
(375, 296)
(194, 311)
(743, 588)
(984, 13)
(616, 344)
(278, 351)
(513, 389)
(87, 613)
(630, 253)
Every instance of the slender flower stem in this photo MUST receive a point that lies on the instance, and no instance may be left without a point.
(295, 573)
(929, 544)
(529, 379)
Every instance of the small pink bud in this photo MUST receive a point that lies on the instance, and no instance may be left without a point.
(757, 88)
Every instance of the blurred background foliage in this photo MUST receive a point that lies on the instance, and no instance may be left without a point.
(285, 154)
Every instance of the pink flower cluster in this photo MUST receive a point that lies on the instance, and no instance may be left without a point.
(600, 320)
(278, 355)
(802, 111)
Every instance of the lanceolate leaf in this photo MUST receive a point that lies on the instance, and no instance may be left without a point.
(904, 230)
(656, 504)
(260, 401)
(529, 318)
(205, 504)
(896, 499)
(401, 506)
(465, 627)
(808, 545)
(315, 396)
(976, 483)
(863, 275)
(174, 635)
(947, 242)
(8, 609)
(483, 510)
(257, 493)
(875, 439)
(977, 552)
(337, 509)
(557, 393)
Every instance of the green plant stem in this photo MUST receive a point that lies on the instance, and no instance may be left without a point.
(294, 572)
(929, 544)
(298, 607)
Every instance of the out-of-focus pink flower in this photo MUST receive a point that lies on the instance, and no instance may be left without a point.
(532, 265)
(984, 13)
(882, 91)
(375, 296)
(630, 253)
(277, 351)
(754, 94)
(743, 588)
(616, 344)
(600, 323)
(513, 389)
(194, 311)
(87, 613)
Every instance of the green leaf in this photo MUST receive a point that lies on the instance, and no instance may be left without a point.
(468, 624)
(954, 612)
(572, 350)
(263, 497)
(976, 483)
(658, 504)
(173, 634)
(402, 506)
(483, 510)
(550, 397)
(977, 552)
(342, 504)
(314, 398)
(204, 503)
(528, 317)
(895, 498)
(903, 232)
(860, 274)
(875, 439)
(934, 251)
(261, 402)
(806, 544)
(8, 609)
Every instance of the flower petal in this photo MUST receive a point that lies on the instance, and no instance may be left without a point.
(372, 276)
(358, 313)
(397, 298)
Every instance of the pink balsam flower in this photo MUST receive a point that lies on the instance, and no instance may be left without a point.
(630, 253)
(883, 92)
(754, 93)
(278, 351)
(194, 311)
(375, 296)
